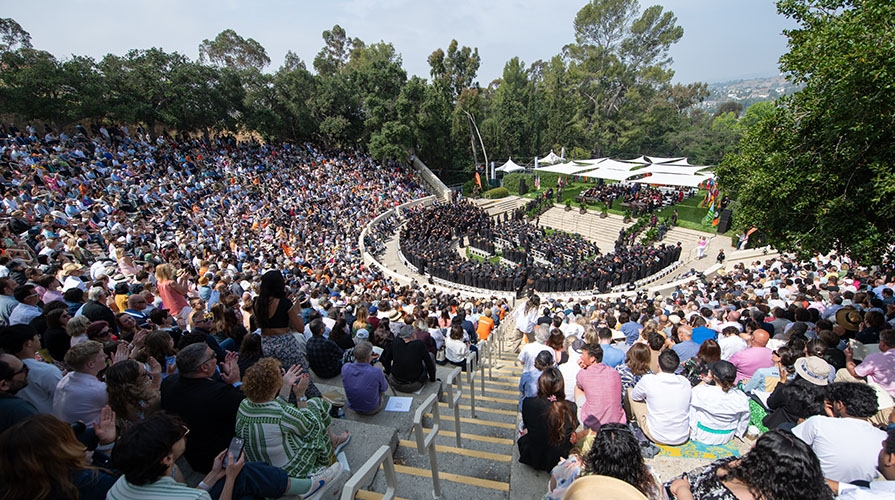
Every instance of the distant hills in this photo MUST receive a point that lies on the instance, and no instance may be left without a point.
(747, 91)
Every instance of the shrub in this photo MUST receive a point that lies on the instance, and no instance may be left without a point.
(496, 193)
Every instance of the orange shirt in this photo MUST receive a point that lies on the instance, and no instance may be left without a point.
(486, 326)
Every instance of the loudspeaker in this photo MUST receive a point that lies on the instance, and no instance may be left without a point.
(724, 222)
(522, 187)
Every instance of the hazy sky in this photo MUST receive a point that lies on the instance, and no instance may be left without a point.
(723, 39)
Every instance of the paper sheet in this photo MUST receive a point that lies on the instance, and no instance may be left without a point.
(397, 403)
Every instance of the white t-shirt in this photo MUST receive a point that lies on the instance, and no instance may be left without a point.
(529, 353)
(847, 447)
(667, 404)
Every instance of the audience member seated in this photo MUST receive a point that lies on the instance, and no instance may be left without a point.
(549, 421)
(612, 356)
(665, 416)
(206, 403)
(297, 437)
(528, 383)
(797, 399)
(324, 355)
(779, 466)
(13, 378)
(767, 379)
(754, 357)
(407, 363)
(696, 369)
(718, 410)
(134, 390)
(600, 386)
(146, 454)
(365, 385)
(881, 489)
(615, 452)
(455, 347)
(42, 458)
(80, 395)
(23, 342)
(844, 441)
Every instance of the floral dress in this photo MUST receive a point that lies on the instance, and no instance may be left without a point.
(705, 483)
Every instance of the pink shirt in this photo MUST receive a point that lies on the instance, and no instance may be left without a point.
(173, 301)
(879, 368)
(602, 388)
(751, 359)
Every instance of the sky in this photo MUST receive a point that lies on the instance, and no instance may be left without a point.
(723, 39)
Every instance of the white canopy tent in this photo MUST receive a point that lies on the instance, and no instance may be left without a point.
(612, 169)
(653, 159)
(565, 169)
(675, 179)
(550, 159)
(670, 168)
(509, 167)
(682, 163)
(592, 161)
(640, 159)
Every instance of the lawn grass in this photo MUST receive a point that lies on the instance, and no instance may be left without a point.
(691, 213)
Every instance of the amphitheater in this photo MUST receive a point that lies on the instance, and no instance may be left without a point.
(462, 444)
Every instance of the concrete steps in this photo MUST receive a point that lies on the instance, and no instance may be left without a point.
(480, 467)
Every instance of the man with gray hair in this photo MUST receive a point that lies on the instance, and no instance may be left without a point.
(365, 384)
(407, 362)
(207, 404)
(530, 351)
(95, 309)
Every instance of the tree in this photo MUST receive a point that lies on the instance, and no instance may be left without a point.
(510, 111)
(336, 51)
(817, 173)
(617, 66)
(36, 86)
(455, 70)
(13, 36)
(229, 50)
(729, 107)
(140, 87)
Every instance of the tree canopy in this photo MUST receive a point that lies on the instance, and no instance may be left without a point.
(816, 171)
(608, 93)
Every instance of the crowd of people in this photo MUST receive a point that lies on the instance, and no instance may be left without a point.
(159, 297)
(641, 198)
(151, 290)
(796, 352)
(429, 235)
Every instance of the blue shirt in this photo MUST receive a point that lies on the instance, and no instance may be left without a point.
(612, 356)
(631, 329)
(686, 349)
(363, 384)
(702, 334)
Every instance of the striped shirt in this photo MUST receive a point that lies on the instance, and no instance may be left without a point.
(166, 488)
(285, 436)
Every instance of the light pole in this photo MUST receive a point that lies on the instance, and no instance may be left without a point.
(481, 143)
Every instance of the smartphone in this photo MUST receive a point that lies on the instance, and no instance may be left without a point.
(235, 449)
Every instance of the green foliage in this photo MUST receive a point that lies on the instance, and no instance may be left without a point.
(816, 174)
(469, 187)
(651, 235)
(229, 50)
(607, 94)
(13, 36)
(36, 85)
(336, 51)
(496, 193)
